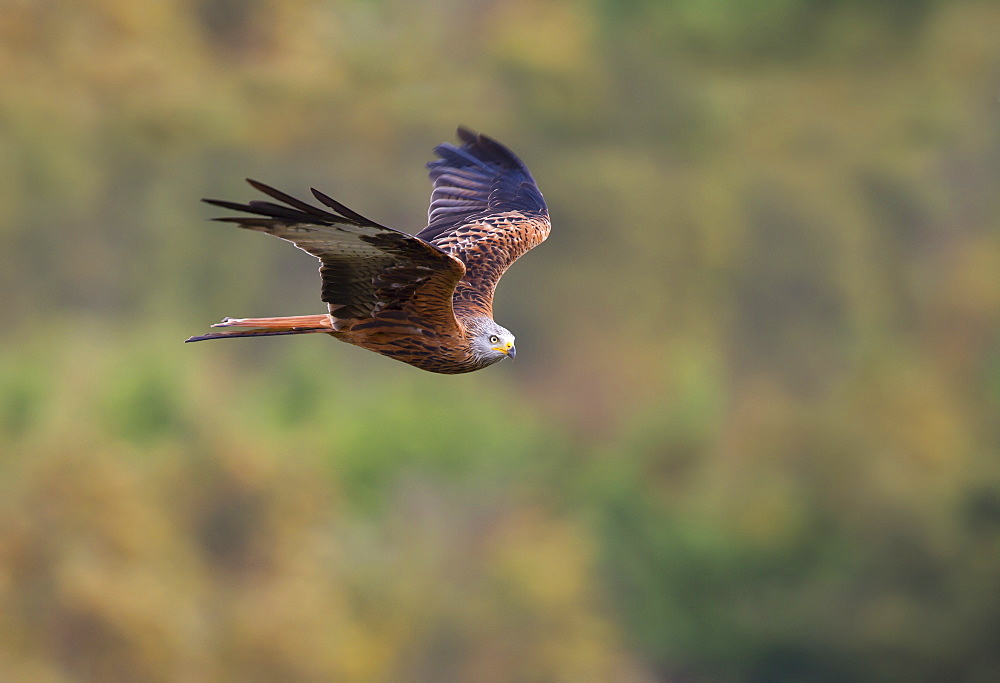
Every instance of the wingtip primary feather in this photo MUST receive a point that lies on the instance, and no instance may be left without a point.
(222, 203)
(466, 134)
(343, 210)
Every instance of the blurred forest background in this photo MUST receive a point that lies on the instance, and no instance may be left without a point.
(752, 431)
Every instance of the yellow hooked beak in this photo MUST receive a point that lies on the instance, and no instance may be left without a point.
(507, 349)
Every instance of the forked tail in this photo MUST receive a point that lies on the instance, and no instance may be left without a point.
(268, 327)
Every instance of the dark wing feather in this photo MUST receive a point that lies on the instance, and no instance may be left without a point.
(486, 210)
(368, 270)
(479, 178)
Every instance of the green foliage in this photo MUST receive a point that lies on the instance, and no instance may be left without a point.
(751, 433)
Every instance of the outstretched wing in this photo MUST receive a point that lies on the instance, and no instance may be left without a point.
(486, 210)
(372, 275)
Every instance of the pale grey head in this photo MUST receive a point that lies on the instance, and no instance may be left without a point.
(489, 342)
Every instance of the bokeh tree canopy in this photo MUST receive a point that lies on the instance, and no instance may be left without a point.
(752, 432)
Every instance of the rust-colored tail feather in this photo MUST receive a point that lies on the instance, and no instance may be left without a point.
(268, 327)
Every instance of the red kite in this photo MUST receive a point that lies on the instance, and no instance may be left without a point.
(424, 299)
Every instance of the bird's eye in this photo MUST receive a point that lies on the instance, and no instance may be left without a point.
(494, 339)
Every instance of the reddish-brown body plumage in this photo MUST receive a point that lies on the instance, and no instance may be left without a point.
(427, 299)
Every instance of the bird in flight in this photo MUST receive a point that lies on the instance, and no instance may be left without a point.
(424, 299)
